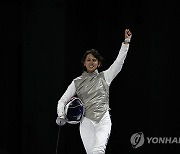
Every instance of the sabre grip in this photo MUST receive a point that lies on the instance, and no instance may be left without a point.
(61, 121)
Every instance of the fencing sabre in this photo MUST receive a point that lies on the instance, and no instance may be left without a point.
(60, 121)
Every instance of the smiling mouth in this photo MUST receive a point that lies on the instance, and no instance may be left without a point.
(91, 66)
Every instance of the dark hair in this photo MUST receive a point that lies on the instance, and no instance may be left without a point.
(95, 53)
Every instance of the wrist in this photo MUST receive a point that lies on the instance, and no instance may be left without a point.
(127, 41)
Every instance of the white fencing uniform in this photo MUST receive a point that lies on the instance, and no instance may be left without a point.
(95, 135)
(93, 90)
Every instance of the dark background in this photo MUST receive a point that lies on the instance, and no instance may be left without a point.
(43, 42)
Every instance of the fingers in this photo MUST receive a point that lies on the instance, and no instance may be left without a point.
(127, 32)
(60, 121)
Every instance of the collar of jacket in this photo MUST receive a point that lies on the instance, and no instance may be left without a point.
(91, 74)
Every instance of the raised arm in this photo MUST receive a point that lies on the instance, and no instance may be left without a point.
(116, 67)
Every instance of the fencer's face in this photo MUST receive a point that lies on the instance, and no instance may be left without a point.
(91, 63)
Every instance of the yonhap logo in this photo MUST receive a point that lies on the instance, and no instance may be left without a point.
(137, 140)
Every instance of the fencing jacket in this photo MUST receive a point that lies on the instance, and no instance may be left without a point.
(93, 88)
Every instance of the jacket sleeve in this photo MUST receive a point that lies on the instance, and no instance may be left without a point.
(69, 93)
(116, 67)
